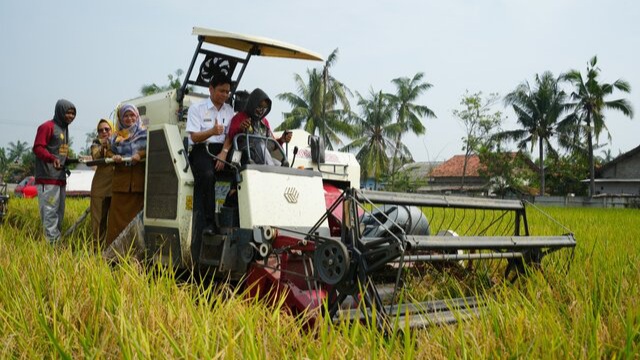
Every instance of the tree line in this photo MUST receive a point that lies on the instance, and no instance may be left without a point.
(564, 125)
(16, 161)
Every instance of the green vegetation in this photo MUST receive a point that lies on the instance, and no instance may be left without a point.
(16, 161)
(65, 302)
(538, 111)
(544, 111)
(408, 114)
(320, 105)
(478, 122)
(174, 83)
(568, 110)
(589, 103)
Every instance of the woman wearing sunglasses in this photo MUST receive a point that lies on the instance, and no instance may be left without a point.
(101, 184)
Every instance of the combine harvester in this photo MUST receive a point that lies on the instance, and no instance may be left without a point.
(303, 230)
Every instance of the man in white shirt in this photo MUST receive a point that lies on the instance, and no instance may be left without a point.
(207, 124)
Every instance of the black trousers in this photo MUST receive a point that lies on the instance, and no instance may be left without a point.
(204, 195)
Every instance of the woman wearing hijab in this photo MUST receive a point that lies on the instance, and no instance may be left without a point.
(51, 148)
(101, 184)
(129, 146)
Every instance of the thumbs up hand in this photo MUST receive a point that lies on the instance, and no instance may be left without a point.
(218, 128)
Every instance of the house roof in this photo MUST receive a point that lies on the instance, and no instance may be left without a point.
(419, 170)
(619, 158)
(454, 166)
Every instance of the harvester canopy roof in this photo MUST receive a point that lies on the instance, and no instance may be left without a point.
(255, 45)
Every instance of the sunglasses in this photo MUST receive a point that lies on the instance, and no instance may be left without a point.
(104, 130)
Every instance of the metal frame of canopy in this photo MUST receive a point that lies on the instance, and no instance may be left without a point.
(216, 62)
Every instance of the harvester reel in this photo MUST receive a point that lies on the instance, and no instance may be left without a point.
(331, 261)
(463, 263)
(517, 267)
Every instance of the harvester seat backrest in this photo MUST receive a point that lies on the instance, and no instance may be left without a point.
(317, 149)
(240, 100)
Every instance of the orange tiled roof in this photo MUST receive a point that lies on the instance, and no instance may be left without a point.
(453, 167)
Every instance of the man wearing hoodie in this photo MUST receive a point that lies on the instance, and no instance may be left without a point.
(252, 120)
(51, 148)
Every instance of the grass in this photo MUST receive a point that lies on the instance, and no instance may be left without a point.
(66, 302)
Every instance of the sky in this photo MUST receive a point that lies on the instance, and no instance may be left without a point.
(97, 54)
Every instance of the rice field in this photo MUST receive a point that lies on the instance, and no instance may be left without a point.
(66, 302)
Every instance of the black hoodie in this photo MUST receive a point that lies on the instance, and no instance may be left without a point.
(258, 149)
(256, 97)
(62, 106)
(56, 145)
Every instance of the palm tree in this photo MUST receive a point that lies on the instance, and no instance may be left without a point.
(27, 164)
(607, 155)
(588, 104)
(4, 164)
(89, 137)
(16, 150)
(408, 114)
(174, 83)
(376, 133)
(315, 106)
(538, 110)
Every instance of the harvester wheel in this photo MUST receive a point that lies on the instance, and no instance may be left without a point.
(331, 260)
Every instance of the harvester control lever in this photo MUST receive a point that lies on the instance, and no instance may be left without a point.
(295, 152)
(221, 159)
(125, 160)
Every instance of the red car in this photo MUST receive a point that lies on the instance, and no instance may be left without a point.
(26, 188)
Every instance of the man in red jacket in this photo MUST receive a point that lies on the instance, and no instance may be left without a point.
(51, 148)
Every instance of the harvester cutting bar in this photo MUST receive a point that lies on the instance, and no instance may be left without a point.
(440, 243)
(435, 312)
(461, 202)
(457, 257)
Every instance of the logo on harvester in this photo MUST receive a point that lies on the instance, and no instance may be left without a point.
(291, 194)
